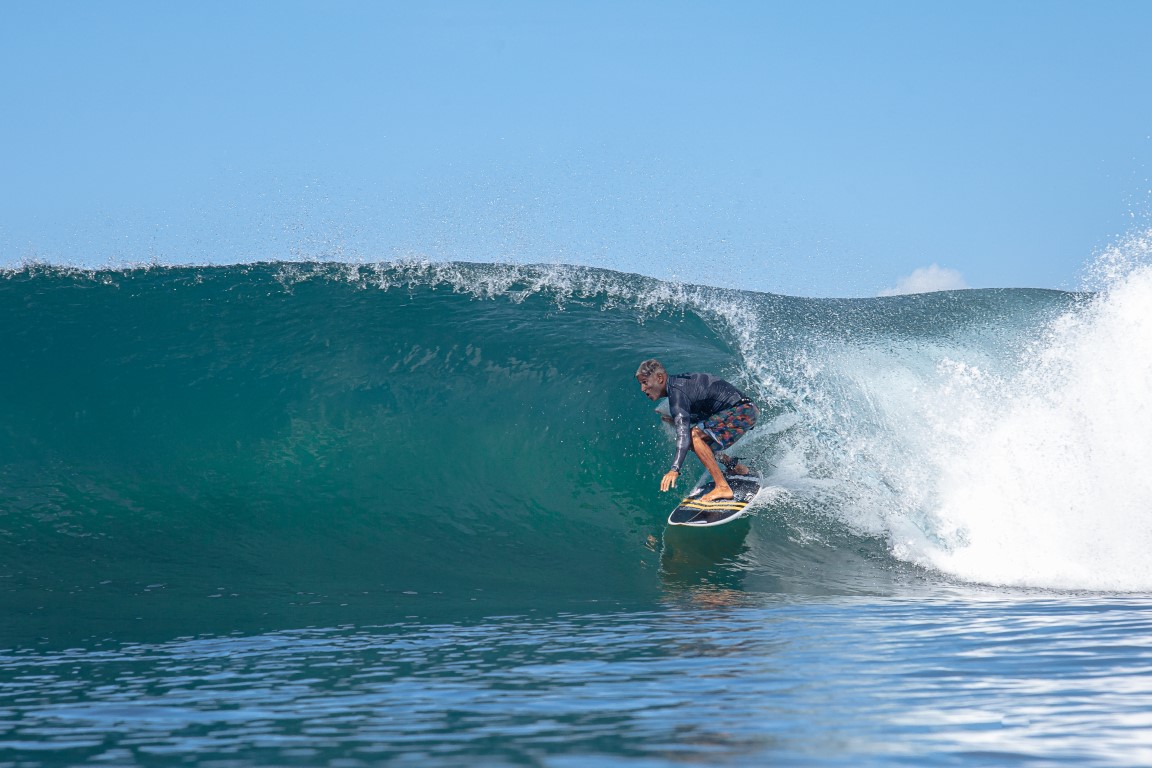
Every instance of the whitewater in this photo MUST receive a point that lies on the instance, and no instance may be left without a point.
(366, 513)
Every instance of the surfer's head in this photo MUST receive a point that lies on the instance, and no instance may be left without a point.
(653, 379)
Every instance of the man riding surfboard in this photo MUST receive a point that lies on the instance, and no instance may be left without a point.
(709, 415)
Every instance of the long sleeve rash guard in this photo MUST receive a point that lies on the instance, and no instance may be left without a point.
(693, 397)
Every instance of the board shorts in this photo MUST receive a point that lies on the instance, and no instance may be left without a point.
(729, 425)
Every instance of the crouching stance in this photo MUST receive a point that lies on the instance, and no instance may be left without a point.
(709, 415)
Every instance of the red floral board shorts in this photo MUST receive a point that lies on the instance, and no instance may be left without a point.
(729, 425)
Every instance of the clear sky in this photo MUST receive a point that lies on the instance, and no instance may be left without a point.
(815, 148)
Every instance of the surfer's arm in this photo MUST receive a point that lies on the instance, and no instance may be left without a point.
(678, 410)
(683, 441)
(678, 416)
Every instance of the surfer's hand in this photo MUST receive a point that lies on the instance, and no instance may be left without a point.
(669, 480)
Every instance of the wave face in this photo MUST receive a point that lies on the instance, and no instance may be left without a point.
(307, 430)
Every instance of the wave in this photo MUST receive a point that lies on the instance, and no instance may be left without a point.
(442, 428)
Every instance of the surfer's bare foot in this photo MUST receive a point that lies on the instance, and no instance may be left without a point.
(740, 469)
(718, 494)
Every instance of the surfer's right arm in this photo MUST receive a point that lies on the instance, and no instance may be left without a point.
(678, 410)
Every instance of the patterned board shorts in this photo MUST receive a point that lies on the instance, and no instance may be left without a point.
(729, 425)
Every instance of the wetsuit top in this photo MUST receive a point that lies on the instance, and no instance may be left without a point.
(693, 397)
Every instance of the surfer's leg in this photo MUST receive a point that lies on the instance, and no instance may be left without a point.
(708, 459)
(725, 428)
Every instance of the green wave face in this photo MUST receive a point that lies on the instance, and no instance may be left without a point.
(286, 435)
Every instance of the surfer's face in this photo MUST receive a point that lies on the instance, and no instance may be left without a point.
(653, 386)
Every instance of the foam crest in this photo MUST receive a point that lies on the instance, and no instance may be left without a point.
(560, 283)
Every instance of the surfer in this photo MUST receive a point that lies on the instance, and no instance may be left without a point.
(709, 415)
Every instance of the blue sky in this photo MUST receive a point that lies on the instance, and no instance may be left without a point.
(822, 149)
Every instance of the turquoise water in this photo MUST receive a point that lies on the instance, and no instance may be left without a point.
(327, 514)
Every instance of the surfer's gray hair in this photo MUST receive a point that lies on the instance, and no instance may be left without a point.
(649, 368)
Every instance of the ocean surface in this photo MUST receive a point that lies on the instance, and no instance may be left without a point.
(364, 514)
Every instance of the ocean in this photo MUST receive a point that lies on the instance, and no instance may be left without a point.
(362, 514)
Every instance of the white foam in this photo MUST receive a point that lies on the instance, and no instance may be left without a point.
(1050, 474)
(1026, 469)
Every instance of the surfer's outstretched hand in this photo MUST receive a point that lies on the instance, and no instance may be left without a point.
(669, 480)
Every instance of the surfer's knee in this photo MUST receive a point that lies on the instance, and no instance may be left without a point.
(699, 437)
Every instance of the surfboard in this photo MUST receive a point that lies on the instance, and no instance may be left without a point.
(691, 511)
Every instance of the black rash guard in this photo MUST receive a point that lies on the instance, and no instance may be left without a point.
(693, 397)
